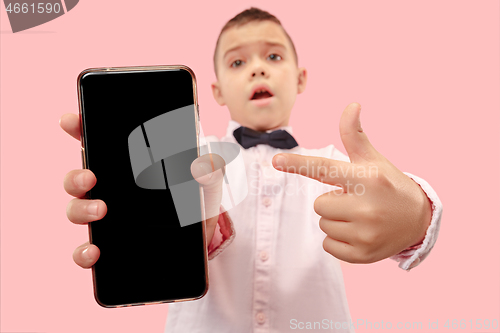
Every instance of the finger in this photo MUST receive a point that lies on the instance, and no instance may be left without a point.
(83, 210)
(340, 205)
(355, 141)
(342, 251)
(70, 123)
(339, 230)
(86, 255)
(208, 170)
(322, 169)
(78, 182)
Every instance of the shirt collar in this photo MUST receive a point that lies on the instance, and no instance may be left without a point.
(234, 125)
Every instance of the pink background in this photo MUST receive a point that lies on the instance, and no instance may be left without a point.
(425, 72)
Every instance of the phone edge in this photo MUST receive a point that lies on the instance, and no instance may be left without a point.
(85, 166)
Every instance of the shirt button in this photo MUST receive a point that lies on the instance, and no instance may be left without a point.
(261, 318)
(266, 201)
(264, 256)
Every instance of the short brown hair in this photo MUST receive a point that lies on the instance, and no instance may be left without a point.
(247, 16)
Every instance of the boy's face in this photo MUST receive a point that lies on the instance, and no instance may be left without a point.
(254, 57)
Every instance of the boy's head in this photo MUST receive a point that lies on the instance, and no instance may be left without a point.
(257, 73)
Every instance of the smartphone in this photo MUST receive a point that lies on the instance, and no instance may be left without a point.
(139, 135)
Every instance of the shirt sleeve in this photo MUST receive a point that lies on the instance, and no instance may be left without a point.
(413, 256)
(223, 236)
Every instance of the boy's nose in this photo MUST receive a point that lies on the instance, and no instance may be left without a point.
(258, 72)
(259, 69)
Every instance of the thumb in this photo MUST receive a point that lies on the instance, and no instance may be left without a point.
(208, 170)
(355, 141)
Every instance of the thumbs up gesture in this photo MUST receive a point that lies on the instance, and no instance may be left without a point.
(375, 211)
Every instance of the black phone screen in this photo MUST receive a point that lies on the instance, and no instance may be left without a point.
(140, 135)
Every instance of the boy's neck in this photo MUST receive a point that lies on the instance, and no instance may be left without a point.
(262, 129)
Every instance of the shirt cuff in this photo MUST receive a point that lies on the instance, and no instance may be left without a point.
(223, 236)
(413, 256)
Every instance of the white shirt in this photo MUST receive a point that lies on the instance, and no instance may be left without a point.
(273, 272)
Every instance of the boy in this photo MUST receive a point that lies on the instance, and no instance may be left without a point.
(280, 270)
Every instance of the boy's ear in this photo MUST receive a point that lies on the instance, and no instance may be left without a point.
(217, 93)
(302, 80)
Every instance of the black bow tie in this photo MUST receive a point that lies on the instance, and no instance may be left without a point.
(247, 138)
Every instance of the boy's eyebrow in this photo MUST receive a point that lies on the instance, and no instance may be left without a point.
(240, 46)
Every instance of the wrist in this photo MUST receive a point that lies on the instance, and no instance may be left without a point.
(425, 220)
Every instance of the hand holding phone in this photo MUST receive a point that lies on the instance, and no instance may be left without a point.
(78, 182)
(136, 102)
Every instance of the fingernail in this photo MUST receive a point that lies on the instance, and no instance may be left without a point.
(206, 170)
(80, 180)
(85, 254)
(92, 208)
(280, 161)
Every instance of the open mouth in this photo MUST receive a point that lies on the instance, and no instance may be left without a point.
(261, 93)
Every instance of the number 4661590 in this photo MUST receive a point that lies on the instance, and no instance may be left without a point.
(40, 9)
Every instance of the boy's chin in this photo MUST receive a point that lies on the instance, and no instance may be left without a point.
(261, 119)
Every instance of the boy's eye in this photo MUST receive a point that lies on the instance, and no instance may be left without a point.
(236, 63)
(275, 57)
